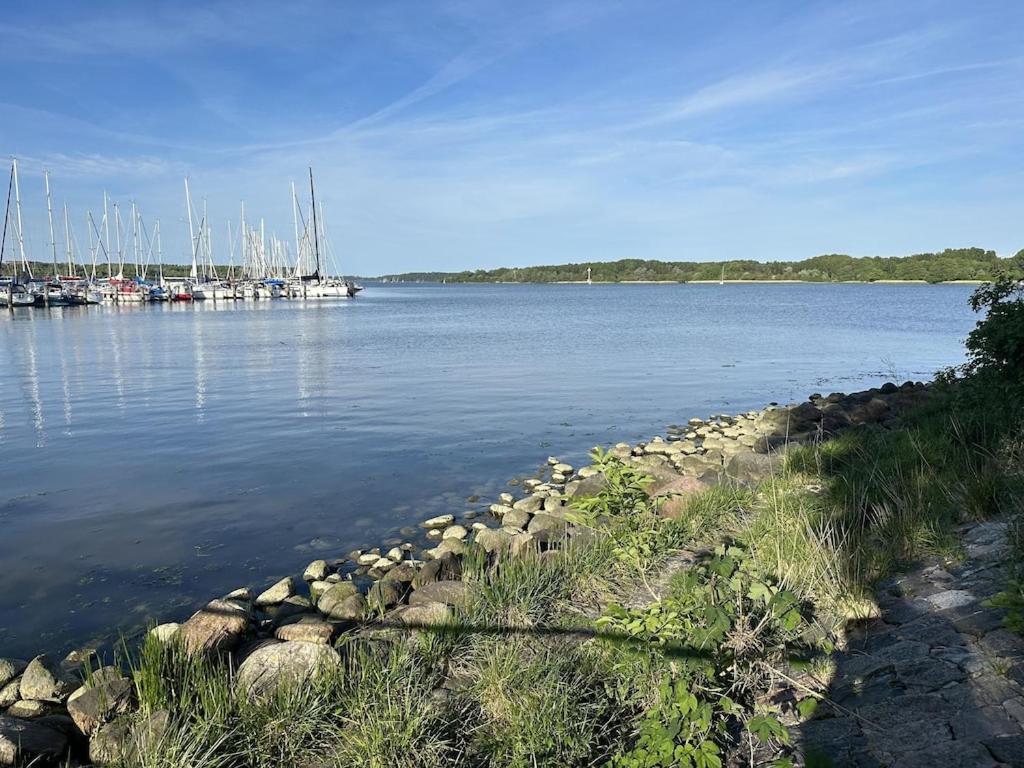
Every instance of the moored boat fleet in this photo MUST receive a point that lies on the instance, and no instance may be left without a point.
(266, 268)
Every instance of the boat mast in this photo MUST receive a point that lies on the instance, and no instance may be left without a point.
(117, 237)
(295, 218)
(49, 214)
(135, 240)
(191, 229)
(159, 254)
(106, 234)
(244, 235)
(72, 270)
(7, 214)
(92, 246)
(316, 237)
(21, 230)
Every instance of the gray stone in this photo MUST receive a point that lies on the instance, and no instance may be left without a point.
(10, 669)
(111, 742)
(288, 663)
(544, 526)
(100, 699)
(21, 740)
(455, 532)
(343, 602)
(447, 592)
(29, 709)
(530, 504)
(165, 633)
(951, 598)
(442, 569)
(278, 593)
(10, 693)
(217, 627)
(515, 518)
(306, 629)
(385, 594)
(43, 680)
(1008, 750)
(441, 521)
(492, 540)
(316, 571)
(426, 614)
(403, 573)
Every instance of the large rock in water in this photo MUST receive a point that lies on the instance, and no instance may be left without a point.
(106, 694)
(444, 568)
(276, 594)
(22, 740)
(291, 663)
(44, 681)
(216, 628)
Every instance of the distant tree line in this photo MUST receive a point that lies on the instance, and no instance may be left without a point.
(950, 264)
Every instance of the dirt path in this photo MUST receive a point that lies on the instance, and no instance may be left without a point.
(937, 680)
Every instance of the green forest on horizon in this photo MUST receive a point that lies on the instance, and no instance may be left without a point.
(950, 264)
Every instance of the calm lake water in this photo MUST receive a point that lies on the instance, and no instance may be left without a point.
(155, 456)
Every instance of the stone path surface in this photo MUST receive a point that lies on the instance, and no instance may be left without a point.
(937, 680)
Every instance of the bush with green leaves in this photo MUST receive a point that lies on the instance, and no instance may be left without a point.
(724, 627)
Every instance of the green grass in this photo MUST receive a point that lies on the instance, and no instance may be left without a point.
(520, 678)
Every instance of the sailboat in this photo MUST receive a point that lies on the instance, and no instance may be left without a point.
(12, 293)
(315, 285)
(721, 280)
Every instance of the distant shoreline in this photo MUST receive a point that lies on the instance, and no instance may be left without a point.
(683, 282)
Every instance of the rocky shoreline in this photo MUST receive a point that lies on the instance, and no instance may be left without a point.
(284, 632)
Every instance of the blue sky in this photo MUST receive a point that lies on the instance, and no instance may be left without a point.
(465, 134)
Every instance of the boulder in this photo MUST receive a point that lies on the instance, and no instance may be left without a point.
(10, 669)
(339, 602)
(317, 588)
(150, 731)
(29, 709)
(515, 518)
(544, 527)
(443, 568)
(306, 629)
(529, 504)
(385, 594)
(277, 594)
(403, 573)
(447, 592)
(111, 743)
(10, 693)
(43, 680)
(455, 532)
(673, 497)
(316, 571)
(492, 540)
(106, 694)
(455, 546)
(22, 740)
(522, 544)
(749, 468)
(441, 521)
(426, 615)
(288, 663)
(165, 633)
(215, 628)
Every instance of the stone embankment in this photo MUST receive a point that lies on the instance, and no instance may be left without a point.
(287, 630)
